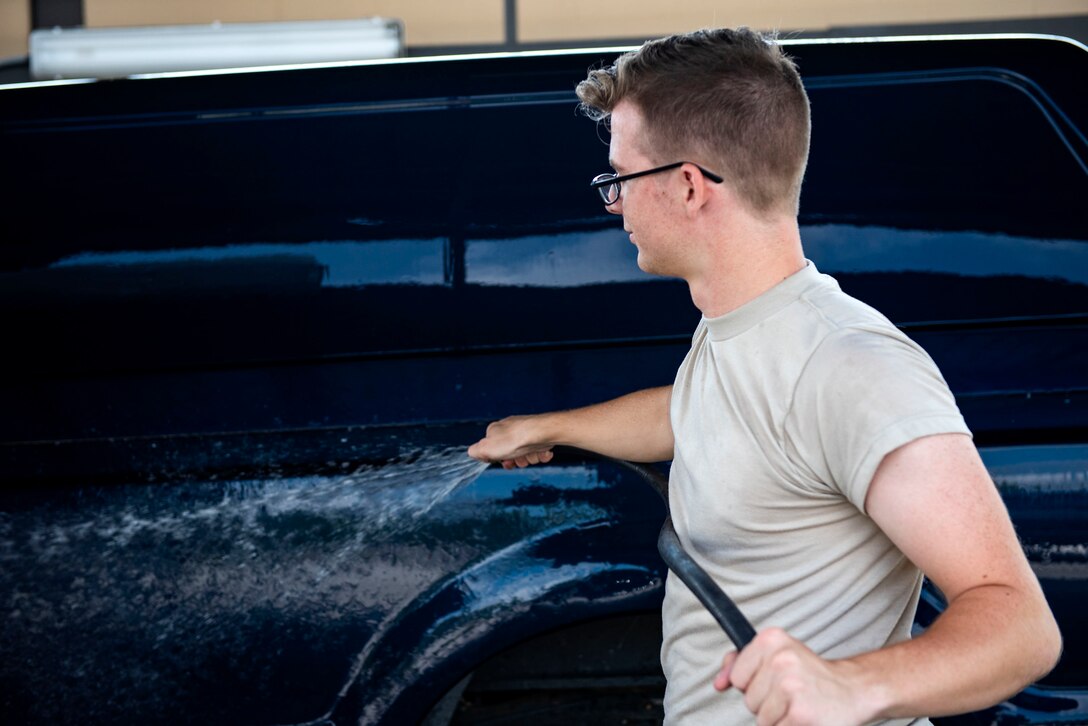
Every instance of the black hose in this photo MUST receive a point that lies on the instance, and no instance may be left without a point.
(724, 610)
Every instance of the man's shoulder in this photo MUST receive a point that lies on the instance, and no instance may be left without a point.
(856, 352)
(828, 324)
(845, 333)
(838, 310)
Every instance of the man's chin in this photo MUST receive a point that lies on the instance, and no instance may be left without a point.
(647, 265)
(650, 268)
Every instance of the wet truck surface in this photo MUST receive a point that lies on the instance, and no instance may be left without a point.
(252, 320)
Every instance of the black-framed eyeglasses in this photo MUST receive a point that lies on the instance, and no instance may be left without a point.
(608, 185)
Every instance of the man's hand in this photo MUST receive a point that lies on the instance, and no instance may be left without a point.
(786, 683)
(513, 441)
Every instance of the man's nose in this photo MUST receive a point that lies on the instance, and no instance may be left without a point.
(616, 207)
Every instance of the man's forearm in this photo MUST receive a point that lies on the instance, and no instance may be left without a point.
(988, 644)
(634, 427)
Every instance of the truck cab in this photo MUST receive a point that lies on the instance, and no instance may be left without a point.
(253, 319)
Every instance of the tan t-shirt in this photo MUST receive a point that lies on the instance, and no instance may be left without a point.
(781, 413)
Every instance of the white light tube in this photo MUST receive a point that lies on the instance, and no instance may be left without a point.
(118, 52)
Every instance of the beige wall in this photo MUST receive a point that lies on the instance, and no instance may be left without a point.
(14, 26)
(547, 20)
(426, 22)
(482, 22)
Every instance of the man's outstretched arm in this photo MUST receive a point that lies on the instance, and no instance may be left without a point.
(935, 500)
(634, 427)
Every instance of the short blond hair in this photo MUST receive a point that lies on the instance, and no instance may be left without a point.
(731, 97)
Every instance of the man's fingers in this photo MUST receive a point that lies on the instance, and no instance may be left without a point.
(750, 660)
(721, 681)
(745, 666)
(772, 710)
(535, 457)
(762, 695)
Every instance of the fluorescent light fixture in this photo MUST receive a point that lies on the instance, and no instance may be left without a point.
(118, 52)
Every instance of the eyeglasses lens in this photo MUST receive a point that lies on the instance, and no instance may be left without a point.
(610, 192)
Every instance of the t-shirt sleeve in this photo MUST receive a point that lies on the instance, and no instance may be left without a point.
(863, 394)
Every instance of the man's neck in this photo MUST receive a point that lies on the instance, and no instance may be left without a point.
(745, 264)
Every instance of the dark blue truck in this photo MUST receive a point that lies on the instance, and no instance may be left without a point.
(252, 319)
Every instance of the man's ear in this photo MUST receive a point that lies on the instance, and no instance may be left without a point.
(695, 189)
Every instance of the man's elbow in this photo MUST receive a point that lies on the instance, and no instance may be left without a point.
(1050, 644)
(1045, 649)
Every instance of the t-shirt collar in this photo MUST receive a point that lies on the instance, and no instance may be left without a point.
(759, 309)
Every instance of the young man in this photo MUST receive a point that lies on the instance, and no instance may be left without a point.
(820, 464)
